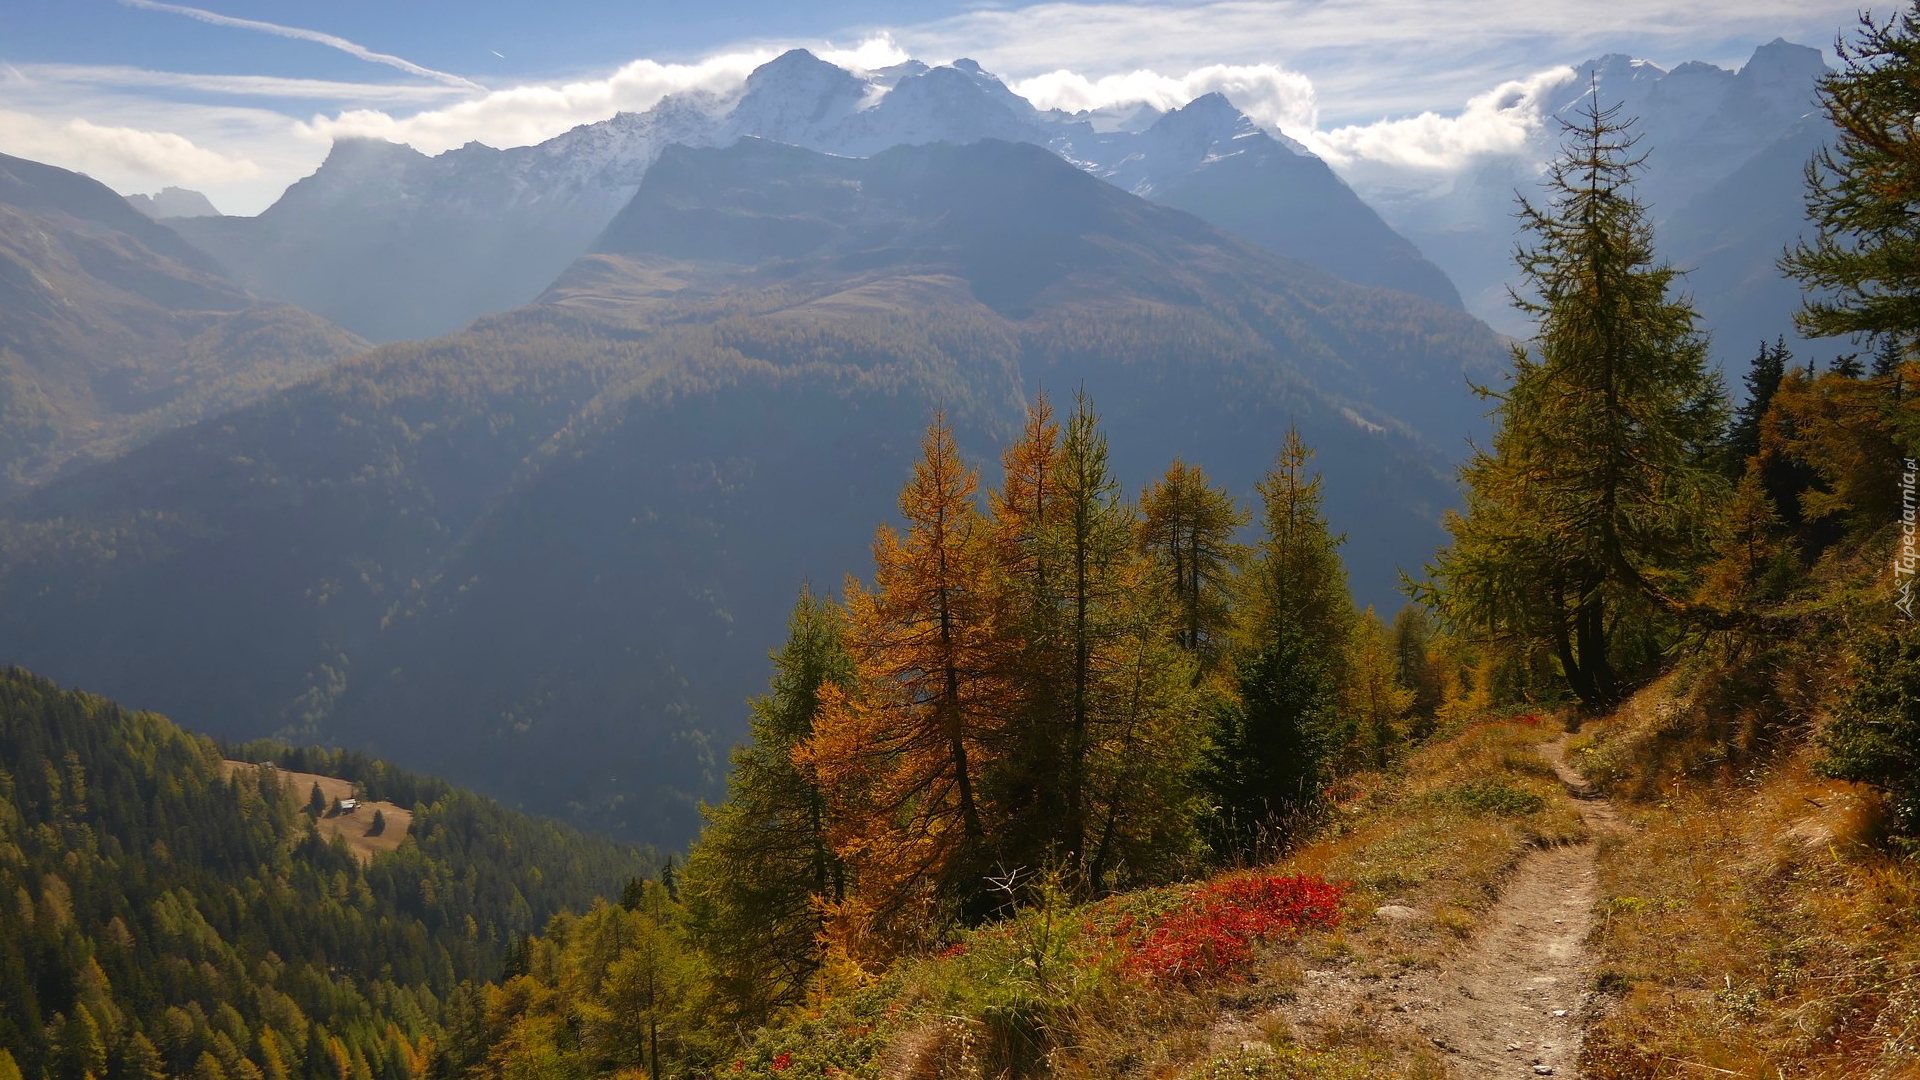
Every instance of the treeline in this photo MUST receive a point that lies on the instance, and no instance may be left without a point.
(1054, 677)
(159, 918)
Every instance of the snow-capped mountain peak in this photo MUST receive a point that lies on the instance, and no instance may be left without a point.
(795, 98)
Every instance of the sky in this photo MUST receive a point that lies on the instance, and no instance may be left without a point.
(239, 98)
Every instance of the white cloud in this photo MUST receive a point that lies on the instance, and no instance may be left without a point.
(1501, 121)
(874, 52)
(299, 34)
(119, 156)
(523, 115)
(1269, 94)
(1366, 58)
(256, 86)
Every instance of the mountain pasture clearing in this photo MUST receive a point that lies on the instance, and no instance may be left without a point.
(351, 825)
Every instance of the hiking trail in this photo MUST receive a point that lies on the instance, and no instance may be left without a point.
(1515, 999)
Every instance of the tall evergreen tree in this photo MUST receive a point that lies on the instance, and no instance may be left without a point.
(1590, 515)
(1297, 575)
(139, 1060)
(1375, 698)
(1763, 381)
(1862, 268)
(1888, 356)
(1273, 741)
(650, 986)
(79, 1051)
(1093, 536)
(766, 854)
(1415, 668)
(1186, 532)
(1036, 648)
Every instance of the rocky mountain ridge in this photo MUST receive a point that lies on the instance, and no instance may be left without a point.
(395, 244)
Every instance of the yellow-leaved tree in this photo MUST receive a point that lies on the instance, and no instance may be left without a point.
(901, 754)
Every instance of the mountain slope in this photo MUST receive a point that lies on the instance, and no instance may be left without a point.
(161, 910)
(112, 327)
(1730, 238)
(548, 556)
(1208, 159)
(395, 244)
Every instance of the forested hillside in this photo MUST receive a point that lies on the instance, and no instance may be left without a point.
(112, 328)
(543, 557)
(163, 920)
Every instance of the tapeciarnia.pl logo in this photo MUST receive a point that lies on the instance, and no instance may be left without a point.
(1905, 564)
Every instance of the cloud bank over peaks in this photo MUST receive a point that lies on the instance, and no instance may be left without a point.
(1272, 96)
(524, 115)
(1502, 121)
(119, 156)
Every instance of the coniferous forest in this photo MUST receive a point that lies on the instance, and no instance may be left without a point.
(165, 918)
(1059, 778)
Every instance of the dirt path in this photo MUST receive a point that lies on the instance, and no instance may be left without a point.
(1513, 1003)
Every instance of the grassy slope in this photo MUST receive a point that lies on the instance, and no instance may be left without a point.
(1754, 923)
(1437, 835)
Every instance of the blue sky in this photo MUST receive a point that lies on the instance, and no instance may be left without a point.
(536, 40)
(141, 93)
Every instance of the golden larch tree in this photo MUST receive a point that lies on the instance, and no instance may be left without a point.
(901, 754)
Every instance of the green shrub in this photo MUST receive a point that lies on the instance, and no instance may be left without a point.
(1874, 737)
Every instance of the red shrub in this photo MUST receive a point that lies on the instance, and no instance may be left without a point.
(1216, 930)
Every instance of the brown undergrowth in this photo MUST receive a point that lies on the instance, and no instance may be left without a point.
(1754, 922)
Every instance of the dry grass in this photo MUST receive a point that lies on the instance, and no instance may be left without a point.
(349, 827)
(1438, 834)
(1753, 925)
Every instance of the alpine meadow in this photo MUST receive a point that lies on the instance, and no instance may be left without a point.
(1218, 540)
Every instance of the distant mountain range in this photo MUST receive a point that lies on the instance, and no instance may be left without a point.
(113, 328)
(547, 555)
(1725, 154)
(173, 202)
(393, 244)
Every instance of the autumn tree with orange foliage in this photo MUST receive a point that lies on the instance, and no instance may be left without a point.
(1025, 509)
(902, 754)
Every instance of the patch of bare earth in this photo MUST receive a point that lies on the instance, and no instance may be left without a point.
(1512, 1001)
